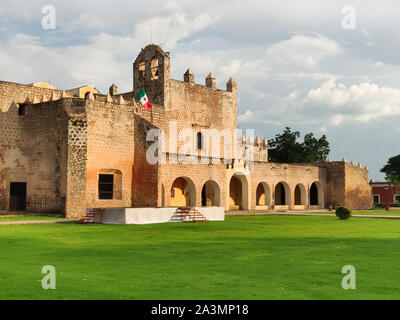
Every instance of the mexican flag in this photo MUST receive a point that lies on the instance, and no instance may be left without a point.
(142, 97)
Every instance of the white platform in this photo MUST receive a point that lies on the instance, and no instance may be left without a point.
(155, 215)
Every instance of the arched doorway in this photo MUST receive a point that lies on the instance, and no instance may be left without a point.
(210, 194)
(300, 195)
(263, 194)
(238, 189)
(282, 194)
(316, 194)
(183, 193)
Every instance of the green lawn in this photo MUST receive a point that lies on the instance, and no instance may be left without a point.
(28, 217)
(366, 213)
(245, 257)
(378, 212)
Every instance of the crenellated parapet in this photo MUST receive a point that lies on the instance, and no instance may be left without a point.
(254, 149)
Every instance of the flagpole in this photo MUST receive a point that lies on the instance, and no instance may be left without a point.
(151, 35)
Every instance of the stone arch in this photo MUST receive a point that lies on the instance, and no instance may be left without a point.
(142, 70)
(300, 195)
(210, 194)
(282, 194)
(183, 192)
(263, 194)
(154, 68)
(316, 194)
(238, 193)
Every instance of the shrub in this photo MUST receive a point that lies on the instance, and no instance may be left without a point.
(343, 213)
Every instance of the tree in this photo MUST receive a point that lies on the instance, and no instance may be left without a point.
(285, 148)
(315, 150)
(392, 170)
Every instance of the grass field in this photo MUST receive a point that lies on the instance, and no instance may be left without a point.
(245, 257)
(365, 213)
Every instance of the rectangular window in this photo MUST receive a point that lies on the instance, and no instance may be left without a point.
(376, 199)
(106, 186)
(397, 198)
(199, 141)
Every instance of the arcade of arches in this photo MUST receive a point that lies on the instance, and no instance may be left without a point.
(183, 193)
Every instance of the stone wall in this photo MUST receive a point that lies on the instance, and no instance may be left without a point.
(76, 157)
(110, 149)
(358, 191)
(348, 185)
(19, 93)
(32, 149)
(145, 175)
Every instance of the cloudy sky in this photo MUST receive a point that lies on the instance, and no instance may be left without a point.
(294, 63)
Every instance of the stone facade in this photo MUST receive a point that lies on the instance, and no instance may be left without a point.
(71, 150)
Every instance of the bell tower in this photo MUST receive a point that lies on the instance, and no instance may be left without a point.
(151, 71)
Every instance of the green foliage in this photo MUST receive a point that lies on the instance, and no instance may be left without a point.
(285, 148)
(392, 170)
(343, 213)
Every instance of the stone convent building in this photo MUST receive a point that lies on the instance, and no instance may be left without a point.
(70, 150)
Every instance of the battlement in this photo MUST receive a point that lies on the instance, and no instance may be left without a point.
(349, 165)
(210, 83)
(257, 149)
(15, 93)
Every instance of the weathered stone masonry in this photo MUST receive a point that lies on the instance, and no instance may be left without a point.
(78, 149)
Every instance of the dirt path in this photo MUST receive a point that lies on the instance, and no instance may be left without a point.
(38, 221)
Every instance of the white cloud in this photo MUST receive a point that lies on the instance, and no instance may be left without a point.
(360, 102)
(104, 59)
(246, 117)
(303, 51)
(173, 28)
(85, 21)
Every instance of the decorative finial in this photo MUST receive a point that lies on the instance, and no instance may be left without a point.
(265, 142)
(90, 96)
(211, 81)
(188, 76)
(109, 99)
(231, 85)
(121, 100)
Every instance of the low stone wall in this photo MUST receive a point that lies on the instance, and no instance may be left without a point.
(155, 215)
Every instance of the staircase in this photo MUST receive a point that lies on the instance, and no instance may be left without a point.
(93, 215)
(188, 214)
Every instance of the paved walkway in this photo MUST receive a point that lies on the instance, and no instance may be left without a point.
(38, 221)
